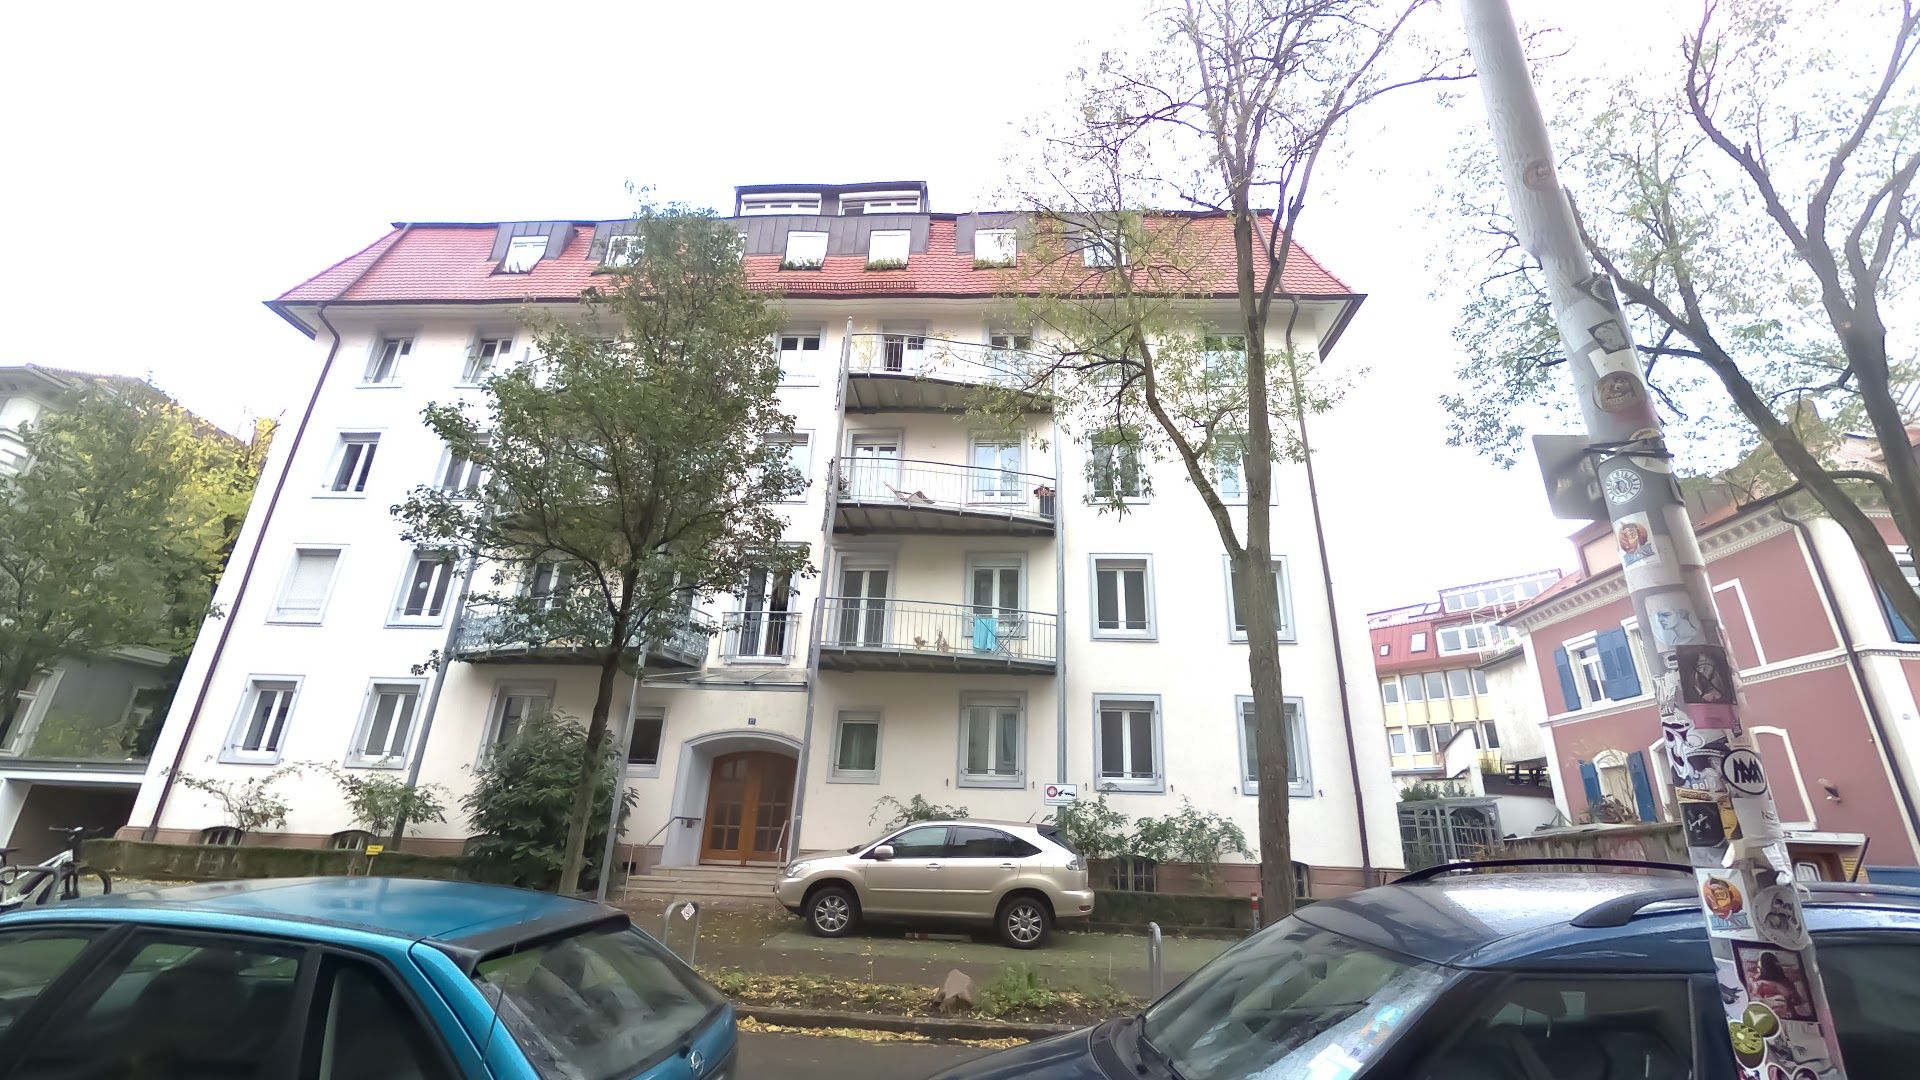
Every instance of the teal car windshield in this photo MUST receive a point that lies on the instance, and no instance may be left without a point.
(597, 1005)
(1292, 1003)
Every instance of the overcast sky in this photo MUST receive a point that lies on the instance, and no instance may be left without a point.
(168, 170)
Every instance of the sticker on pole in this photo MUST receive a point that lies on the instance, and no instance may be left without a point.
(1061, 794)
(688, 909)
(1743, 774)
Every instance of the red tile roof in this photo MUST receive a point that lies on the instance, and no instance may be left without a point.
(453, 263)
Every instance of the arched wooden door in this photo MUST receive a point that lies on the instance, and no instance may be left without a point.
(749, 798)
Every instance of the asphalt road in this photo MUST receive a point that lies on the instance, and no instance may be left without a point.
(766, 1056)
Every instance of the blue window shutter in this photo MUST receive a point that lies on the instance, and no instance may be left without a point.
(1642, 787)
(1901, 631)
(1590, 779)
(1569, 691)
(1617, 675)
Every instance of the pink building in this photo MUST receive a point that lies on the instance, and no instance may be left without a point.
(1828, 680)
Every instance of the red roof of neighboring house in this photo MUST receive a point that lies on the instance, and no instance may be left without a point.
(453, 263)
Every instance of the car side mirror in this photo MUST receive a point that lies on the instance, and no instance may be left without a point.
(883, 852)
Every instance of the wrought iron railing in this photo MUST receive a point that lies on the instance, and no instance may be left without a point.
(484, 628)
(858, 622)
(910, 483)
(763, 635)
(921, 356)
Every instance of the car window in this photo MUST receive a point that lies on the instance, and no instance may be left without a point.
(601, 1003)
(1874, 991)
(1596, 1029)
(167, 1005)
(926, 842)
(361, 1026)
(29, 962)
(973, 842)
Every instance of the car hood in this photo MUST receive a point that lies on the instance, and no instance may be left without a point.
(1063, 1057)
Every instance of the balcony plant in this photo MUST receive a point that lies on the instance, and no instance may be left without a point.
(887, 264)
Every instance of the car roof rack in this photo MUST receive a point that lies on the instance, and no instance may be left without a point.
(1620, 910)
(1498, 864)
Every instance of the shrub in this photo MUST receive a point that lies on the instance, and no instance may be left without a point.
(1017, 988)
(248, 804)
(376, 801)
(1190, 836)
(1426, 790)
(1092, 828)
(521, 797)
(914, 809)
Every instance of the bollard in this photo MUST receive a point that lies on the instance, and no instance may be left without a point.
(689, 912)
(1153, 959)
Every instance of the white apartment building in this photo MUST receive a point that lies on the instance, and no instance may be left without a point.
(976, 630)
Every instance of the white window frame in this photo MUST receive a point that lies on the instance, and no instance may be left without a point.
(996, 247)
(523, 254)
(803, 440)
(230, 751)
(642, 769)
(1283, 584)
(1232, 468)
(623, 249)
(799, 372)
(1417, 732)
(771, 204)
(1143, 492)
(363, 464)
(502, 689)
(1101, 252)
(1573, 647)
(402, 346)
(279, 613)
(1303, 760)
(473, 475)
(1466, 679)
(397, 616)
(799, 243)
(35, 699)
(1397, 742)
(1390, 685)
(1154, 784)
(889, 245)
(1020, 493)
(357, 757)
(1418, 642)
(879, 203)
(1480, 682)
(1145, 561)
(1419, 686)
(838, 775)
(1013, 625)
(485, 355)
(970, 701)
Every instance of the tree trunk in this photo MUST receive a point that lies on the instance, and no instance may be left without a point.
(592, 763)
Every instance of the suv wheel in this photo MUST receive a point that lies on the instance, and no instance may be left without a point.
(832, 912)
(1024, 922)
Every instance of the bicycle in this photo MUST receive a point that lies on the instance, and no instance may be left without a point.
(62, 877)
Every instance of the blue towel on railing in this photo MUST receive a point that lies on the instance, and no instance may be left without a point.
(986, 633)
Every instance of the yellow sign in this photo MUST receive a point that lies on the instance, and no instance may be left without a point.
(375, 849)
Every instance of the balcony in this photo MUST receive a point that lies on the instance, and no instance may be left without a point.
(759, 637)
(916, 373)
(881, 634)
(487, 635)
(889, 495)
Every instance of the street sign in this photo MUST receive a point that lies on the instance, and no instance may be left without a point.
(1061, 794)
(1573, 491)
(375, 849)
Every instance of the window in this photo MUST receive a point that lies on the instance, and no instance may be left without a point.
(1422, 739)
(887, 248)
(221, 836)
(32, 960)
(805, 251)
(1412, 686)
(994, 247)
(1122, 592)
(1467, 638)
(1224, 357)
(1390, 691)
(1639, 1027)
(903, 350)
(974, 842)
(1396, 742)
(1442, 735)
(643, 746)
(1114, 466)
(1597, 669)
(1436, 686)
(1229, 470)
(1586, 666)
(1479, 682)
(1385, 649)
(352, 463)
(1102, 251)
(1489, 735)
(622, 250)
(385, 365)
(303, 596)
(991, 738)
(1449, 640)
(799, 447)
(548, 583)
(995, 475)
(925, 842)
(423, 591)
(1283, 613)
(386, 724)
(523, 254)
(1874, 994)
(484, 356)
(1126, 737)
(1901, 631)
(799, 355)
(995, 595)
(1417, 643)
(854, 206)
(756, 206)
(513, 705)
(173, 1004)
(1009, 356)
(856, 747)
(350, 840)
(361, 1026)
(461, 474)
(1299, 769)
(1459, 683)
(262, 720)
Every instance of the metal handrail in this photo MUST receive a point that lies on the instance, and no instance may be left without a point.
(759, 634)
(883, 623)
(664, 826)
(911, 482)
(926, 357)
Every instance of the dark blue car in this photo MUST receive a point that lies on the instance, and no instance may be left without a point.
(1498, 976)
(350, 978)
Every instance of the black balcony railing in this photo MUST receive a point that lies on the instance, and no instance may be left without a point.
(486, 633)
(930, 635)
(912, 484)
(764, 636)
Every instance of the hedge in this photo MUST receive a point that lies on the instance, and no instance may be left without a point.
(201, 862)
(1173, 910)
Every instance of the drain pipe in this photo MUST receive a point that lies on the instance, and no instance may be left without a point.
(152, 827)
(1059, 610)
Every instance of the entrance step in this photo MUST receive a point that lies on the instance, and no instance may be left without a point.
(695, 882)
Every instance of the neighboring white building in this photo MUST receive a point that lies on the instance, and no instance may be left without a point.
(979, 630)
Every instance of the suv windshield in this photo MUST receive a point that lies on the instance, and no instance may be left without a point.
(1292, 1001)
(600, 1004)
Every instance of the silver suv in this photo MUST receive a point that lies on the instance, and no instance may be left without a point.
(1018, 877)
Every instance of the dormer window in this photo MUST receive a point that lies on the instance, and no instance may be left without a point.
(993, 247)
(523, 253)
(1102, 251)
(883, 204)
(762, 205)
(805, 251)
(621, 251)
(887, 249)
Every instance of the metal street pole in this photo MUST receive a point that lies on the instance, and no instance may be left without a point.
(1770, 983)
(624, 744)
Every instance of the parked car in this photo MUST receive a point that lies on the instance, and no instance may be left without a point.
(1504, 976)
(1017, 877)
(350, 977)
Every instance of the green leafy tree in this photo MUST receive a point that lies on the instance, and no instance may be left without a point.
(521, 803)
(639, 450)
(914, 809)
(377, 802)
(251, 803)
(1752, 205)
(116, 531)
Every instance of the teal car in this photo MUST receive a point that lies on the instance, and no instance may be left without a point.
(350, 978)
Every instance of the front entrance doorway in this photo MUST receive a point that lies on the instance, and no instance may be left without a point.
(749, 799)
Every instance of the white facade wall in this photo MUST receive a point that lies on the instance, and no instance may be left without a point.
(1191, 667)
